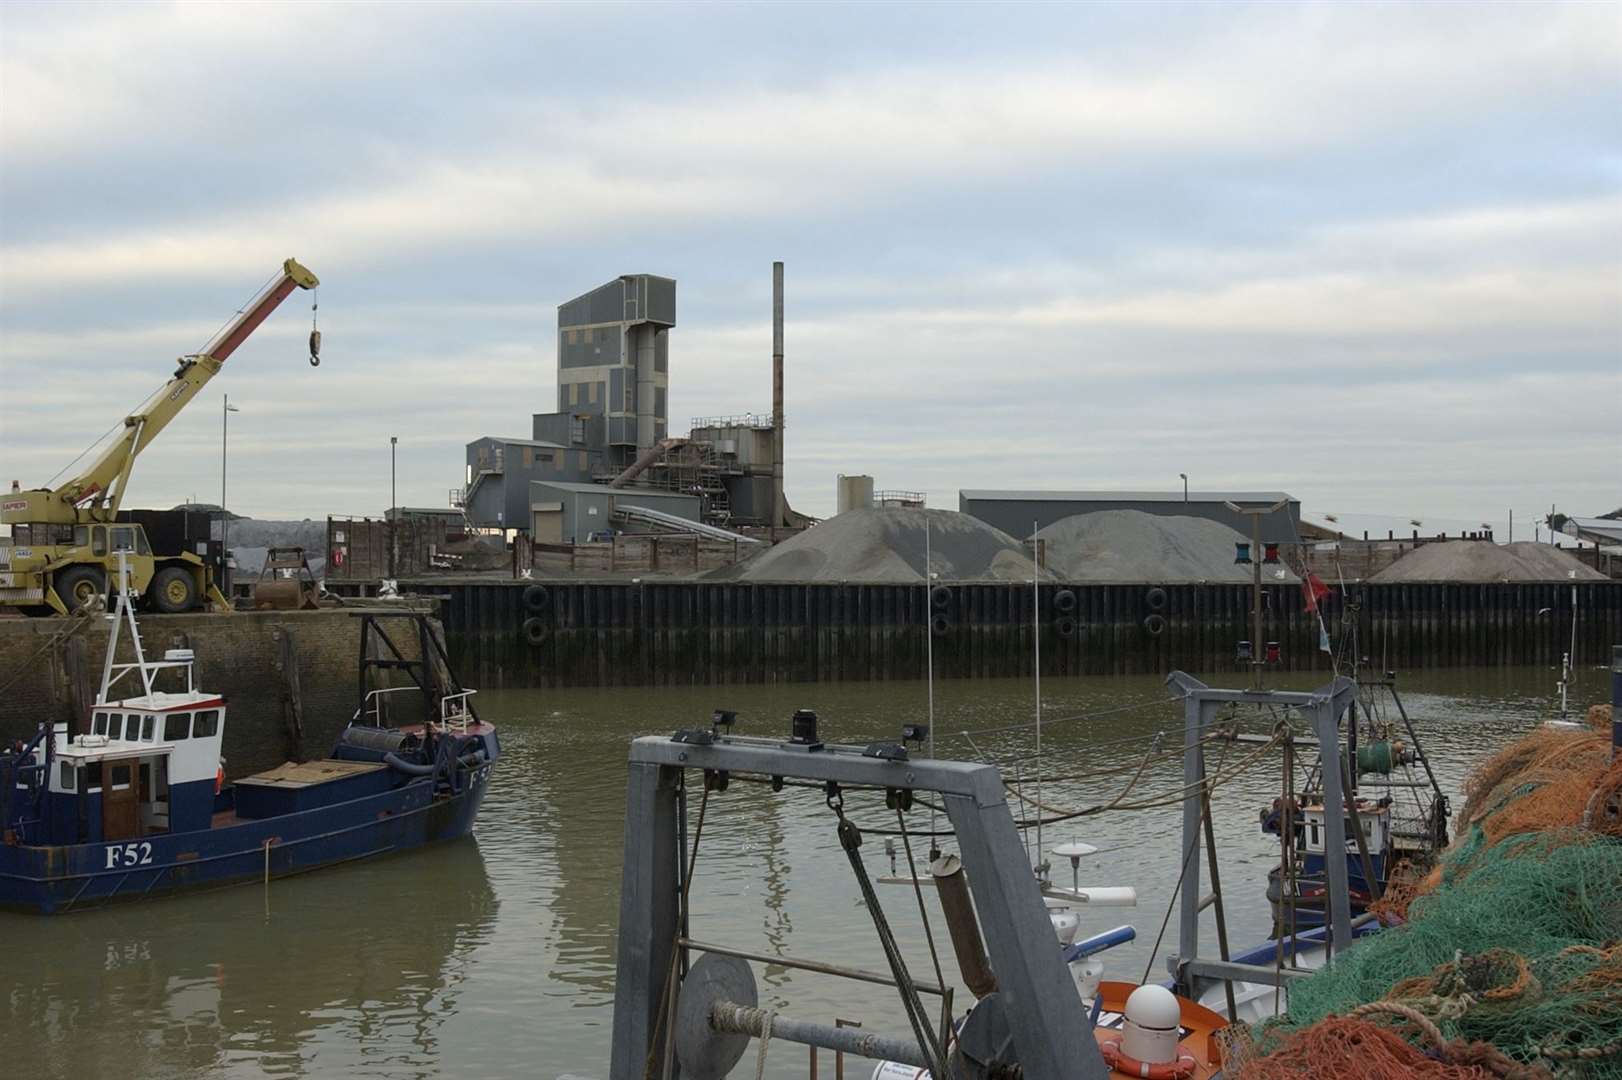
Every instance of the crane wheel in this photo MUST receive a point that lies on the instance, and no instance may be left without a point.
(173, 590)
(79, 586)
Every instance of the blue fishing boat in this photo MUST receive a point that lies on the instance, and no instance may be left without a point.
(136, 805)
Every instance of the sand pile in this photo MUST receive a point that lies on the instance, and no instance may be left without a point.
(1129, 545)
(887, 545)
(1484, 561)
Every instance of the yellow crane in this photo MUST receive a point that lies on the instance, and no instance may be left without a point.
(65, 540)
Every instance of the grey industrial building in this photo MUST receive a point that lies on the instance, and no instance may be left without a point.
(568, 513)
(612, 426)
(1015, 512)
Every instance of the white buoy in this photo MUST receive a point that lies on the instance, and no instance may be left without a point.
(1149, 1032)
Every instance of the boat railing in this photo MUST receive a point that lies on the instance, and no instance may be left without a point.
(455, 711)
(371, 708)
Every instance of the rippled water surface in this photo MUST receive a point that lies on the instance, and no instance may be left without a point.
(494, 956)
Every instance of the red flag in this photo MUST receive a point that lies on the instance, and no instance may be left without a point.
(1312, 590)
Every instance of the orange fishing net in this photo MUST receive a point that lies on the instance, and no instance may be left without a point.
(1356, 1049)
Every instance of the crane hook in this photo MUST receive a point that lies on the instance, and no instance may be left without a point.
(315, 332)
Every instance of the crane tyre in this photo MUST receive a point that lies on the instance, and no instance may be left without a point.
(536, 599)
(535, 631)
(172, 590)
(78, 586)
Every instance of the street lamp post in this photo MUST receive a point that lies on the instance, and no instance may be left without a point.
(1184, 475)
(226, 409)
(394, 509)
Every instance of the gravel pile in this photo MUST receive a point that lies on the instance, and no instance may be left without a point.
(1131, 546)
(887, 545)
(1484, 561)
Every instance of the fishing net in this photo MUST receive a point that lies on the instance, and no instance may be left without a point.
(1510, 958)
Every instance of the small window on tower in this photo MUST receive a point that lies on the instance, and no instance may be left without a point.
(577, 429)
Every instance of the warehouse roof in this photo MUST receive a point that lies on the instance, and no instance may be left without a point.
(522, 442)
(984, 495)
(604, 489)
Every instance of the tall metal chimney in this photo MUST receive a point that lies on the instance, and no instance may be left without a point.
(779, 505)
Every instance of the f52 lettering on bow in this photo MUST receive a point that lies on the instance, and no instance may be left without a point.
(128, 855)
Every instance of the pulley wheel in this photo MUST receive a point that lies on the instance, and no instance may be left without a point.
(704, 1053)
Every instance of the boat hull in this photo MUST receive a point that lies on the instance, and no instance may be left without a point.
(56, 879)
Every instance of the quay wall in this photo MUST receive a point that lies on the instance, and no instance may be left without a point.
(615, 633)
(236, 655)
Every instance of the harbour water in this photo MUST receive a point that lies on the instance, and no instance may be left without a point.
(494, 957)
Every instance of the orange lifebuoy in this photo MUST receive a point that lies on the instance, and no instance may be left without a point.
(219, 779)
(1120, 1061)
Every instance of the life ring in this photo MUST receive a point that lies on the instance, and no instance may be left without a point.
(1065, 627)
(1120, 1061)
(536, 598)
(940, 598)
(1064, 601)
(939, 625)
(219, 779)
(1155, 598)
(1155, 624)
(535, 631)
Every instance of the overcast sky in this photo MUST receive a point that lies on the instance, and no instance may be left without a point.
(1368, 254)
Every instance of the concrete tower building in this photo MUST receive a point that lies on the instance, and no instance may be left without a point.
(614, 362)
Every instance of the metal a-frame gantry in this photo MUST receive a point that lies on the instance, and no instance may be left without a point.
(1047, 1030)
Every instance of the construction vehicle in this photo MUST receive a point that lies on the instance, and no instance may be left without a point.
(65, 540)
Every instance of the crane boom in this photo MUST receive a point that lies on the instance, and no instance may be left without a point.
(99, 490)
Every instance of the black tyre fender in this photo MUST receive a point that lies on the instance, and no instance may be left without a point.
(1065, 627)
(535, 631)
(1155, 598)
(78, 584)
(939, 624)
(1064, 601)
(536, 599)
(1155, 625)
(172, 591)
(940, 598)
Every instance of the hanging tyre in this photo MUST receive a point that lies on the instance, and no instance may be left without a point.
(1155, 624)
(939, 625)
(1064, 601)
(1065, 627)
(535, 631)
(1156, 599)
(940, 598)
(536, 599)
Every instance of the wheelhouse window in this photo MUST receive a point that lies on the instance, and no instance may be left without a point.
(70, 776)
(175, 726)
(98, 725)
(118, 775)
(132, 727)
(208, 723)
(148, 724)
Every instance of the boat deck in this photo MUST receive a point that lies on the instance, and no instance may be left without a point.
(303, 774)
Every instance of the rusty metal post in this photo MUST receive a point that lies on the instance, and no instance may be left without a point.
(961, 925)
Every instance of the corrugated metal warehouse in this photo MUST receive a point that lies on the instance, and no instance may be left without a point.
(1014, 511)
(565, 513)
